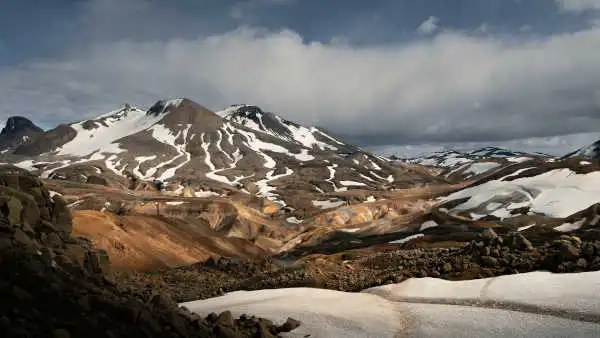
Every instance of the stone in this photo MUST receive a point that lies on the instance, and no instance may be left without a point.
(21, 238)
(225, 318)
(61, 333)
(447, 267)
(582, 263)
(289, 325)
(568, 252)
(21, 294)
(489, 261)
(488, 235)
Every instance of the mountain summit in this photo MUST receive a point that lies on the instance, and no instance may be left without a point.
(18, 130)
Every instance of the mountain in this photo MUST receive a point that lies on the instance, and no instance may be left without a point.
(457, 166)
(591, 151)
(534, 196)
(18, 130)
(188, 148)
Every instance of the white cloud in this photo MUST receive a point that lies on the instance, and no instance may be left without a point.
(428, 26)
(453, 87)
(578, 5)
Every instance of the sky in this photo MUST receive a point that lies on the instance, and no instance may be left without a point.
(396, 76)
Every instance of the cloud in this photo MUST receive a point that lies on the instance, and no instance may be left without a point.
(483, 28)
(428, 26)
(453, 87)
(578, 5)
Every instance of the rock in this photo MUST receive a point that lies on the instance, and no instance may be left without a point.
(582, 263)
(588, 250)
(447, 267)
(489, 261)
(93, 179)
(96, 261)
(289, 325)
(225, 318)
(5, 243)
(568, 252)
(495, 252)
(21, 238)
(225, 332)
(61, 333)
(488, 235)
(21, 294)
(14, 209)
(61, 216)
(161, 300)
(519, 242)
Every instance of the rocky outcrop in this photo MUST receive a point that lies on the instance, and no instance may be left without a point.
(52, 285)
(47, 141)
(488, 256)
(18, 130)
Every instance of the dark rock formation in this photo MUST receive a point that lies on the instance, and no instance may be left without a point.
(52, 285)
(17, 131)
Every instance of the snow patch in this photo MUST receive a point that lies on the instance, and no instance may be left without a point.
(406, 239)
(557, 193)
(294, 220)
(352, 184)
(328, 204)
(568, 227)
(427, 225)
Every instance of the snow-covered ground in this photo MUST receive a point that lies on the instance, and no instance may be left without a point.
(556, 193)
(537, 304)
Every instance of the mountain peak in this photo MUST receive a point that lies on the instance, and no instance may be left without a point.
(19, 124)
(162, 106)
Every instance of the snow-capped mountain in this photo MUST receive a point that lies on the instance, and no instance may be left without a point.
(17, 130)
(591, 151)
(254, 118)
(188, 147)
(452, 158)
(458, 165)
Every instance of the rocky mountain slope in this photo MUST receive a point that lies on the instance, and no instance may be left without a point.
(55, 285)
(17, 131)
(192, 150)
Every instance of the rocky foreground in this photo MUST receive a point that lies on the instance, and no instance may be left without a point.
(492, 255)
(52, 285)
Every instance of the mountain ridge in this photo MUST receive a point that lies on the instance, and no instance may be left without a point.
(189, 147)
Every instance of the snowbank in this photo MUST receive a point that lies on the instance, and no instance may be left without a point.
(401, 309)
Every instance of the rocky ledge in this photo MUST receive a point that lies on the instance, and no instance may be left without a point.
(52, 285)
